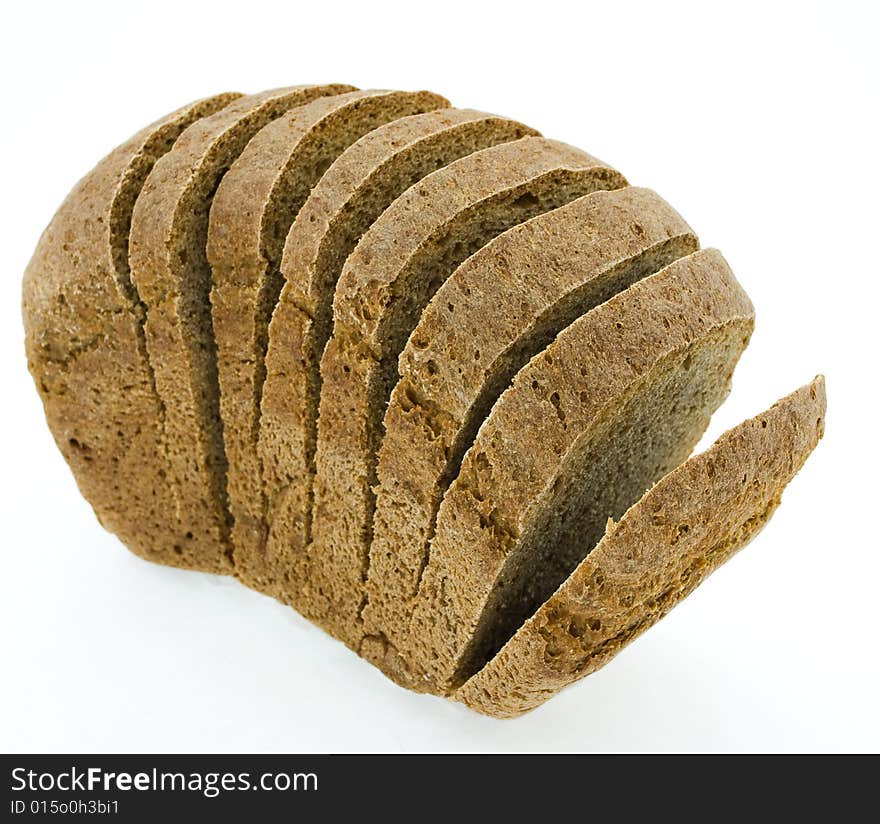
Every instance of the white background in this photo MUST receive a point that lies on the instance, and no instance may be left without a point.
(758, 124)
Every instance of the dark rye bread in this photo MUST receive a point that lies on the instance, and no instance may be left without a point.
(614, 403)
(355, 190)
(250, 217)
(503, 305)
(394, 271)
(85, 344)
(668, 543)
(171, 272)
(449, 354)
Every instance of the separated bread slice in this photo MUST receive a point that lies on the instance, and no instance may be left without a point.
(394, 271)
(615, 402)
(501, 306)
(355, 190)
(170, 270)
(251, 214)
(665, 545)
(85, 344)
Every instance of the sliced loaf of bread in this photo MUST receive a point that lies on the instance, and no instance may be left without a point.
(663, 547)
(410, 369)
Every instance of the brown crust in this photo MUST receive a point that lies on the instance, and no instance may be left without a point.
(168, 266)
(681, 531)
(84, 339)
(250, 217)
(355, 190)
(541, 276)
(378, 300)
(560, 402)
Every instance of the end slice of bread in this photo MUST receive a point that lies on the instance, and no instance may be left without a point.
(86, 348)
(664, 546)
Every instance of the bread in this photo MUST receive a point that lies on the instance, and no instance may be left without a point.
(403, 367)
(616, 401)
(355, 190)
(541, 275)
(397, 266)
(170, 269)
(664, 546)
(251, 214)
(84, 337)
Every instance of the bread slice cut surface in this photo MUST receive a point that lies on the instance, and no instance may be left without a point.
(664, 546)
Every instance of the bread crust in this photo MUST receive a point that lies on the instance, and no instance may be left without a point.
(670, 541)
(504, 304)
(250, 217)
(83, 322)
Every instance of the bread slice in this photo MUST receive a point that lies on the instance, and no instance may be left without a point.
(395, 269)
(503, 305)
(615, 402)
(250, 217)
(665, 545)
(83, 320)
(355, 190)
(170, 270)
